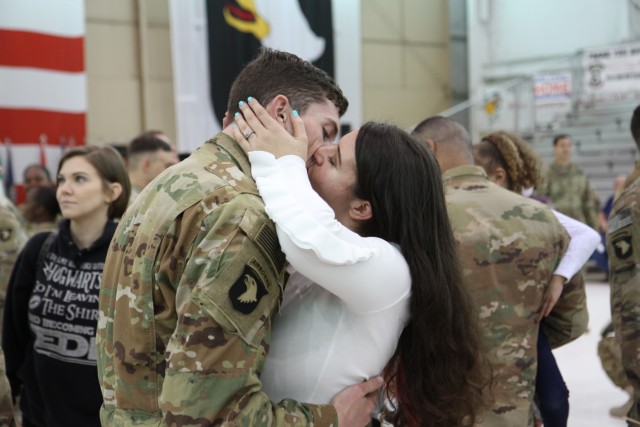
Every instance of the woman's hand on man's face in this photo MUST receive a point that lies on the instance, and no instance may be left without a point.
(256, 130)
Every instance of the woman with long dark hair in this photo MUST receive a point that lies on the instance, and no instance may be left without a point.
(377, 287)
(51, 311)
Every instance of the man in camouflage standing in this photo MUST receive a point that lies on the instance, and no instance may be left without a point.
(509, 247)
(623, 246)
(195, 273)
(568, 187)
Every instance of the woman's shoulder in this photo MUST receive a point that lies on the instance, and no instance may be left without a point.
(37, 240)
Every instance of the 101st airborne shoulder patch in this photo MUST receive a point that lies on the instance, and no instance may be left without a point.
(245, 294)
(622, 246)
(622, 242)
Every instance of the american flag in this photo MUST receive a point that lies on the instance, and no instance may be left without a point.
(43, 95)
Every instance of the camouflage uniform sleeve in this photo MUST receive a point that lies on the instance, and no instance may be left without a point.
(12, 238)
(6, 401)
(590, 205)
(569, 318)
(623, 244)
(218, 348)
(542, 188)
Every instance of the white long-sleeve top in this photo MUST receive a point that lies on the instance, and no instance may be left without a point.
(584, 240)
(344, 307)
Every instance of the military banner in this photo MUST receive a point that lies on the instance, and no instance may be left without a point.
(212, 40)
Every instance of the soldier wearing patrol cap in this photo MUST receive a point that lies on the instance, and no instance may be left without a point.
(509, 247)
(623, 244)
(195, 273)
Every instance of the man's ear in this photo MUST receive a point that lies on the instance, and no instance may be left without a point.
(225, 119)
(145, 163)
(431, 143)
(360, 210)
(280, 109)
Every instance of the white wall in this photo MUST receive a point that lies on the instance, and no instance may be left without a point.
(509, 38)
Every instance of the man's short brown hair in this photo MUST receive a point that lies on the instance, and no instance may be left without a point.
(275, 73)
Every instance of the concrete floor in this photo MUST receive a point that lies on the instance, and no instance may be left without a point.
(591, 393)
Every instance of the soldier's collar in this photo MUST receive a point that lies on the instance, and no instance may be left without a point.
(233, 148)
(464, 171)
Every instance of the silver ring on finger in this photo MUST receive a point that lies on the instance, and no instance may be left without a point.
(248, 133)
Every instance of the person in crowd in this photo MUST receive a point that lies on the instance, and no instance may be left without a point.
(509, 246)
(600, 257)
(509, 162)
(36, 175)
(148, 155)
(623, 243)
(368, 228)
(52, 302)
(568, 186)
(610, 356)
(7, 414)
(12, 239)
(195, 274)
(41, 210)
(13, 236)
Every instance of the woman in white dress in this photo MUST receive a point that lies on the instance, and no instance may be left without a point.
(376, 287)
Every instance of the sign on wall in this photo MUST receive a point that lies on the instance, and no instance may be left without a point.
(611, 73)
(552, 94)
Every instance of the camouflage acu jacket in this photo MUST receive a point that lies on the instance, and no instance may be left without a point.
(569, 189)
(509, 247)
(193, 276)
(12, 239)
(623, 246)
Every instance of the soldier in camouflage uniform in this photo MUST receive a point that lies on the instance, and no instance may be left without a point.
(195, 273)
(568, 187)
(12, 238)
(623, 246)
(509, 246)
(6, 402)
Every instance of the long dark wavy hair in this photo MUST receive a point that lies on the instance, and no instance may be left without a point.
(438, 372)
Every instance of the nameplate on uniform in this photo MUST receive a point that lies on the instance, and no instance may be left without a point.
(621, 220)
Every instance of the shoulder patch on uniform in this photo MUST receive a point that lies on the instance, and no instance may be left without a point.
(245, 294)
(267, 240)
(622, 246)
(621, 220)
(5, 234)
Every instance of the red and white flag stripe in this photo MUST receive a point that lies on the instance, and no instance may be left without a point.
(42, 79)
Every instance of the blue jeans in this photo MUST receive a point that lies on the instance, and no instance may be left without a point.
(552, 394)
